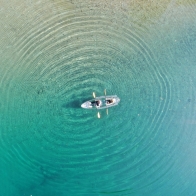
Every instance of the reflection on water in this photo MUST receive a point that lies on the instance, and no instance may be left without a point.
(54, 54)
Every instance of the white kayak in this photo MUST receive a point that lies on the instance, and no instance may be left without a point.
(102, 102)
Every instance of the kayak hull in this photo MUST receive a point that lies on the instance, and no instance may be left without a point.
(91, 104)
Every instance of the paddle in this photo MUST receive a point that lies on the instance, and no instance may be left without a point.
(98, 114)
(105, 100)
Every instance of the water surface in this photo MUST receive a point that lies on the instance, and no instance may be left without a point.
(54, 54)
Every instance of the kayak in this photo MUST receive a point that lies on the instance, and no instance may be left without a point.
(101, 102)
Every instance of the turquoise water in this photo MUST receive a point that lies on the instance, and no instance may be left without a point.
(54, 55)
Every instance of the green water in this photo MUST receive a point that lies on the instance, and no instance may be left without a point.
(54, 54)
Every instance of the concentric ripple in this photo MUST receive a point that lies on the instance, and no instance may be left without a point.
(58, 61)
(60, 64)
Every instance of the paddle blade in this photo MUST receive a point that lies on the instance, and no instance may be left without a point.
(105, 92)
(94, 94)
(98, 115)
(107, 111)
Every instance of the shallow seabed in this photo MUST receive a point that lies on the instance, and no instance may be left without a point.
(54, 54)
